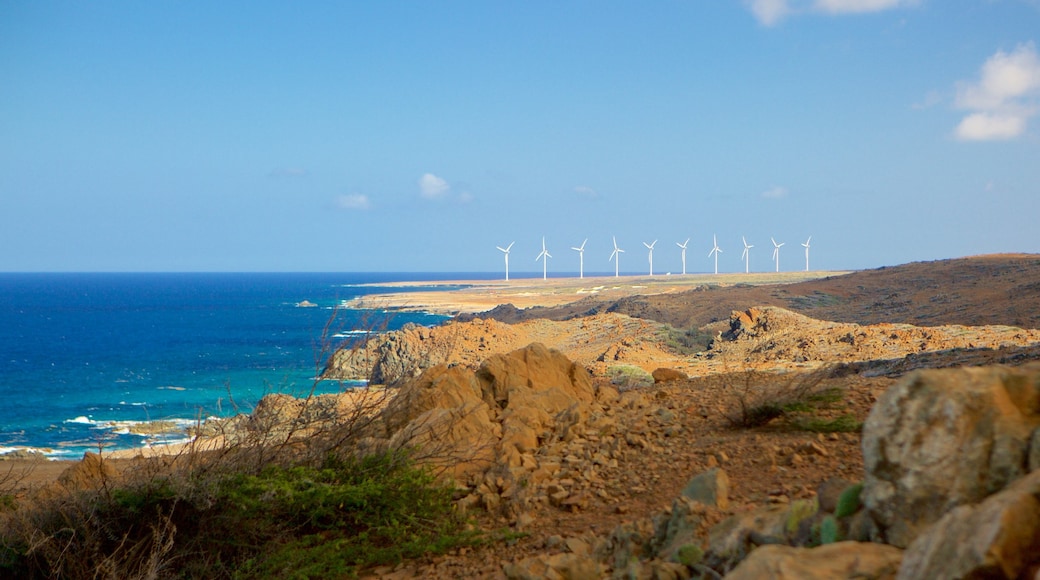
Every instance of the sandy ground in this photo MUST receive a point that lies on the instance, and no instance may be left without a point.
(482, 295)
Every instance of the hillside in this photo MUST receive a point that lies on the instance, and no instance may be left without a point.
(1001, 289)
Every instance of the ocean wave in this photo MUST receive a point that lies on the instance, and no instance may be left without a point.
(81, 420)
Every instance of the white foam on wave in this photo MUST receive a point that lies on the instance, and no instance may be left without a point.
(81, 420)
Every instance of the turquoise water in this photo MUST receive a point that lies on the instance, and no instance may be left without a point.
(83, 357)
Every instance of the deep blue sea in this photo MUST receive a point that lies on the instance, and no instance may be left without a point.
(84, 357)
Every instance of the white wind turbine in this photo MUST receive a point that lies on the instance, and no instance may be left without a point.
(806, 244)
(581, 258)
(683, 246)
(746, 256)
(616, 256)
(650, 247)
(505, 251)
(544, 257)
(715, 249)
(776, 253)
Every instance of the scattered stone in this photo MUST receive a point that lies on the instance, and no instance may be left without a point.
(710, 488)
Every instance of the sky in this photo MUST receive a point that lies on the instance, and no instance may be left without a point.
(417, 136)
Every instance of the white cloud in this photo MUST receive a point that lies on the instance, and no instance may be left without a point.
(432, 187)
(776, 192)
(1004, 97)
(354, 201)
(769, 12)
(987, 127)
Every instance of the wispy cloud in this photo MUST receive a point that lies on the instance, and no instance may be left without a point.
(776, 192)
(1004, 97)
(432, 187)
(354, 201)
(771, 12)
(859, 6)
(586, 191)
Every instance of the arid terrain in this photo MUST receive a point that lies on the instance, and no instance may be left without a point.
(673, 375)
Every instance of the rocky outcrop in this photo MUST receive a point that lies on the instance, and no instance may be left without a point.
(944, 438)
(389, 357)
(776, 336)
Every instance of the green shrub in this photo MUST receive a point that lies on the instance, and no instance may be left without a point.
(690, 555)
(292, 522)
(629, 376)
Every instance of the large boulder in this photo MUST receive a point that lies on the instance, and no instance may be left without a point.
(504, 410)
(944, 438)
(998, 538)
(830, 562)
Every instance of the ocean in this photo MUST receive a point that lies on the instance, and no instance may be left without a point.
(87, 359)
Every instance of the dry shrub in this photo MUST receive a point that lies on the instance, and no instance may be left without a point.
(760, 398)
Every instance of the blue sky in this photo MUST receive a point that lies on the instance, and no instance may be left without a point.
(417, 136)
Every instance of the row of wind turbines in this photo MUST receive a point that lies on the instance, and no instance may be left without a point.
(615, 256)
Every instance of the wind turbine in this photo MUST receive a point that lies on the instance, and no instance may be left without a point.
(505, 251)
(616, 256)
(683, 246)
(776, 253)
(746, 256)
(715, 250)
(650, 247)
(581, 258)
(806, 244)
(544, 257)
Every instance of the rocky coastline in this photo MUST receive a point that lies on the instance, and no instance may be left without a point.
(625, 446)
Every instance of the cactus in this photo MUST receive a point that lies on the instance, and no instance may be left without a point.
(830, 530)
(848, 501)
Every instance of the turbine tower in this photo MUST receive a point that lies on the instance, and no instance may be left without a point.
(616, 256)
(505, 251)
(746, 256)
(650, 247)
(806, 244)
(683, 246)
(715, 250)
(581, 258)
(544, 257)
(776, 253)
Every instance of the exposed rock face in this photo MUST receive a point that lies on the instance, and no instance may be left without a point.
(500, 413)
(830, 562)
(998, 538)
(944, 438)
(387, 358)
